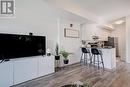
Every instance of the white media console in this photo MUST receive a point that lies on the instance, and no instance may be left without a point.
(23, 69)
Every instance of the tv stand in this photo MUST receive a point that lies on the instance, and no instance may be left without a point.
(21, 70)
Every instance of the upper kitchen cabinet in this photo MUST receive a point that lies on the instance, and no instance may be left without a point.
(89, 30)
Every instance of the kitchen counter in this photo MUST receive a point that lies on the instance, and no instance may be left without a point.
(109, 57)
(100, 47)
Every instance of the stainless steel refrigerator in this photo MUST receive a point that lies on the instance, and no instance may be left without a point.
(113, 41)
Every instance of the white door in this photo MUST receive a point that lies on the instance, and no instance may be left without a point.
(6, 74)
(46, 65)
(25, 69)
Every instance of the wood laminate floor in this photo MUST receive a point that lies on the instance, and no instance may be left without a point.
(98, 78)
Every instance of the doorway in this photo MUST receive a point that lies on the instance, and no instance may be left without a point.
(119, 33)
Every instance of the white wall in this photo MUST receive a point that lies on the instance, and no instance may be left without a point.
(88, 30)
(128, 39)
(120, 32)
(40, 18)
(67, 5)
(32, 16)
(70, 44)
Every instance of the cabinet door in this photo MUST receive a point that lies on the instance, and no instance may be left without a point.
(46, 65)
(6, 74)
(25, 69)
(107, 58)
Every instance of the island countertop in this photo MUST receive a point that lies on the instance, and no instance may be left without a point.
(100, 47)
(109, 57)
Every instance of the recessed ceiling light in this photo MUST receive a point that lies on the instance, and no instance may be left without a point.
(119, 22)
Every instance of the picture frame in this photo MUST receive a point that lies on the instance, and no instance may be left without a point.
(71, 33)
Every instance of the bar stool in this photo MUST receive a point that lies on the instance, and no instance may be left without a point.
(84, 56)
(97, 53)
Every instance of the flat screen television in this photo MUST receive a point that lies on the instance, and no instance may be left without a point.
(16, 46)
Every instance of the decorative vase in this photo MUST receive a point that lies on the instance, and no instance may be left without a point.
(66, 61)
(57, 57)
(48, 52)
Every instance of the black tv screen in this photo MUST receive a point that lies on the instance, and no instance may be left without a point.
(16, 46)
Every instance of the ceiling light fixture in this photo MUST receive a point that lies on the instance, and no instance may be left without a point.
(109, 26)
(119, 22)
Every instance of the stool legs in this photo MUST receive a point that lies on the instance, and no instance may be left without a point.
(98, 61)
(95, 58)
(81, 59)
(85, 57)
(91, 59)
(102, 61)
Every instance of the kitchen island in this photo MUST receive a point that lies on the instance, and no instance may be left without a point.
(109, 57)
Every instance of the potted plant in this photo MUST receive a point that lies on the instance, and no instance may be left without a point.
(57, 56)
(65, 55)
(88, 84)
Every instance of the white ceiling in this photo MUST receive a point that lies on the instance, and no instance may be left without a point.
(107, 10)
(73, 17)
